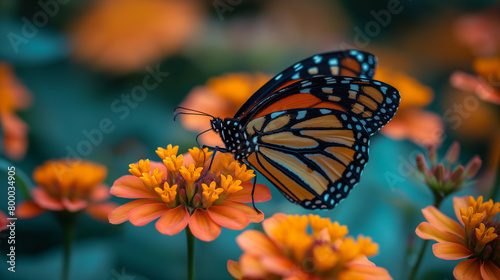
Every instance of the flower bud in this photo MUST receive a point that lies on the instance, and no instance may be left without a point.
(456, 175)
(439, 172)
(432, 154)
(453, 153)
(473, 167)
(422, 164)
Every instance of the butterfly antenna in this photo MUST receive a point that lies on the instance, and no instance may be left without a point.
(188, 111)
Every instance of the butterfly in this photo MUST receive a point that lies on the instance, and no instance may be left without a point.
(307, 130)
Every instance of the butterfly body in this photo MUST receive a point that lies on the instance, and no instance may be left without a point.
(308, 129)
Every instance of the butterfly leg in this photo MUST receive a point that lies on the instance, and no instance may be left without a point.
(215, 149)
(253, 190)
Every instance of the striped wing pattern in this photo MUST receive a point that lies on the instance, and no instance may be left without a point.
(353, 63)
(310, 154)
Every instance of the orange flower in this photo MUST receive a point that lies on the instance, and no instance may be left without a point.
(65, 185)
(304, 247)
(3, 221)
(177, 196)
(411, 121)
(14, 96)
(476, 237)
(221, 97)
(486, 85)
(127, 35)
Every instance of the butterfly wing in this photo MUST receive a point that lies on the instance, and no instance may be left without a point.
(374, 103)
(314, 156)
(352, 63)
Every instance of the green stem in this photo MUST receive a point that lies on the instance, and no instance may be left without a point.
(437, 202)
(496, 184)
(190, 253)
(68, 222)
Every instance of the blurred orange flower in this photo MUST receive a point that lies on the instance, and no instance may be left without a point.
(127, 35)
(14, 96)
(3, 221)
(411, 121)
(289, 250)
(68, 185)
(476, 237)
(221, 97)
(480, 31)
(172, 192)
(486, 85)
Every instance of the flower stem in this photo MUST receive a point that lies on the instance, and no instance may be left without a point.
(437, 202)
(69, 230)
(68, 222)
(190, 253)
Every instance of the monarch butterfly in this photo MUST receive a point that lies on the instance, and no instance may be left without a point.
(308, 129)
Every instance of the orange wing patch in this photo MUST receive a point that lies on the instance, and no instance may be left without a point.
(332, 168)
(352, 64)
(342, 136)
(323, 121)
(309, 176)
(288, 139)
(345, 155)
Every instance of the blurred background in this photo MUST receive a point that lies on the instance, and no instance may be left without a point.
(68, 65)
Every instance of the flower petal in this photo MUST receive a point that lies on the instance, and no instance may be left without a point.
(161, 167)
(278, 265)
(146, 213)
(458, 203)
(173, 221)
(256, 243)
(251, 213)
(358, 270)
(74, 205)
(101, 211)
(270, 224)
(489, 271)
(451, 251)
(28, 210)
(202, 226)
(100, 193)
(261, 193)
(120, 214)
(429, 231)
(468, 270)
(44, 200)
(234, 269)
(228, 217)
(129, 186)
(251, 267)
(442, 222)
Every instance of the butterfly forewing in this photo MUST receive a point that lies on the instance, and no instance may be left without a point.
(310, 154)
(353, 63)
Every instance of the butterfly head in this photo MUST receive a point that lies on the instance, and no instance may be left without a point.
(216, 124)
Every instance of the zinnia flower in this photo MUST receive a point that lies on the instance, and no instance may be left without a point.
(173, 192)
(304, 247)
(486, 84)
(411, 121)
(14, 96)
(222, 97)
(127, 35)
(475, 238)
(68, 185)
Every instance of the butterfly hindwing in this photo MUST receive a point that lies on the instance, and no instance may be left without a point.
(314, 156)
